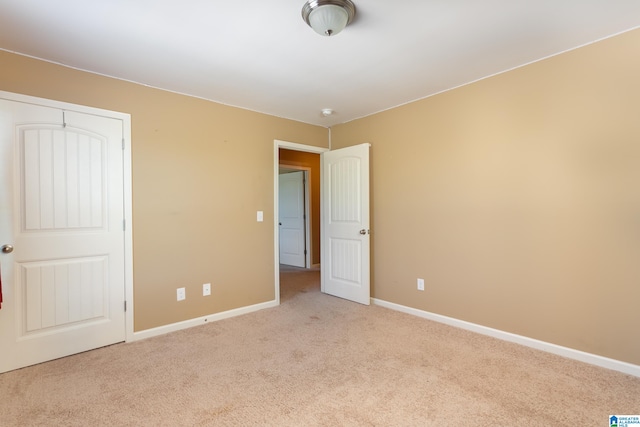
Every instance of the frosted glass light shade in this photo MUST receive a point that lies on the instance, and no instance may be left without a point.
(328, 17)
(328, 20)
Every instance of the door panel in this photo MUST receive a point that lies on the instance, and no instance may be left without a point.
(291, 212)
(345, 223)
(64, 282)
(56, 295)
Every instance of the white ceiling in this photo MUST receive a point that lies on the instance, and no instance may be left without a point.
(260, 55)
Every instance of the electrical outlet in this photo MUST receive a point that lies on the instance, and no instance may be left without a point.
(206, 289)
(421, 284)
(181, 294)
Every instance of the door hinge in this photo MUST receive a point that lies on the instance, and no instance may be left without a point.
(124, 225)
(125, 306)
(305, 251)
(123, 143)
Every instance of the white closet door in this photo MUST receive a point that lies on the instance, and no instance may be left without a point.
(61, 209)
(291, 219)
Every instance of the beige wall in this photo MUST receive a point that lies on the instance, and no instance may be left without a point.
(311, 161)
(517, 199)
(201, 170)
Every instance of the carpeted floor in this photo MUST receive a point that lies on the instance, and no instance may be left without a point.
(316, 360)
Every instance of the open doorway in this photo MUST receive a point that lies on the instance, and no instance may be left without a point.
(292, 156)
(344, 220)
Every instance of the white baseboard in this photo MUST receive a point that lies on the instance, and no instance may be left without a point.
(570, 353)
(161, 330)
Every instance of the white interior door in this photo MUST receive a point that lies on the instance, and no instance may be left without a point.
(291, 212)
(61, 209)
(345, 223)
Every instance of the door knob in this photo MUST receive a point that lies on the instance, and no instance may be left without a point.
(363, 231)
(7, 249)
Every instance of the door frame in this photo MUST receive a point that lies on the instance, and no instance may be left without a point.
(127, 191)
(307, 208)
(294, 146)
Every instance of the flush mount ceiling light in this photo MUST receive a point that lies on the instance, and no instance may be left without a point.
(328, 17)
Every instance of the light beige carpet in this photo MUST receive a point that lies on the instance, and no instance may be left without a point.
(316, 361)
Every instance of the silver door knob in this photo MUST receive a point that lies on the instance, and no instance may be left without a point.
(7, 249)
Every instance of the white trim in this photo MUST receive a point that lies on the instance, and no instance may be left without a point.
(127, 193)
(308, 218)
(277, 144)
(128, 230)
(173, 327)
(27, 99)
(570, 353)
(298, 147)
